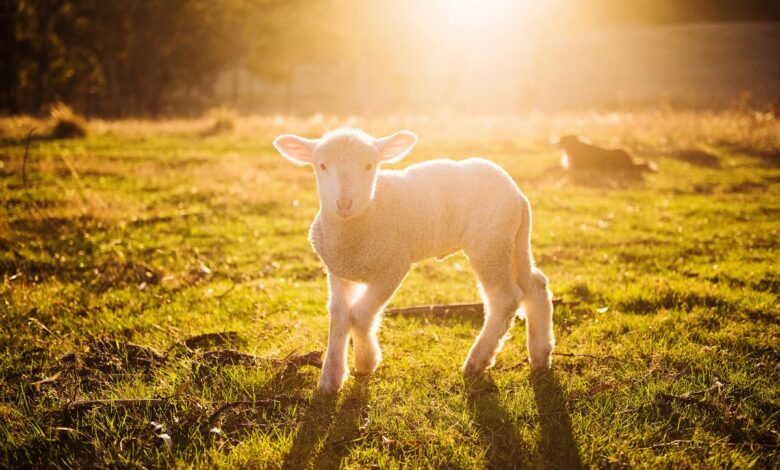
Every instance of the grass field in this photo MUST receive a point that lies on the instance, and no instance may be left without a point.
(117, 249)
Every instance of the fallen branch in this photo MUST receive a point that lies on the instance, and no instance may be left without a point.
(592, 356)
(477, 308)
(470, 308)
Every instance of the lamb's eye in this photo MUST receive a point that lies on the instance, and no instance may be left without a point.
(369, 166)
(323, 167)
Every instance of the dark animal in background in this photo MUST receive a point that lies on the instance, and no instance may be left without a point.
(581, 156)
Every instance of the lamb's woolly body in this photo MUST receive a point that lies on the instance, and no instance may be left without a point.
(372, 226)
(430, 209)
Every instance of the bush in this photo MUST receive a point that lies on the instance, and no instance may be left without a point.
(65, 123)
(223, 121)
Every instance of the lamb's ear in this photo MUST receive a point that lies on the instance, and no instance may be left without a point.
(395, 147)
(296, 149)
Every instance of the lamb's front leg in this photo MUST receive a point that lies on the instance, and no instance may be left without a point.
(334, 369)
(364, 316)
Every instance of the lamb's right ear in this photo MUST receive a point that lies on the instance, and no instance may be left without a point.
(296, 149)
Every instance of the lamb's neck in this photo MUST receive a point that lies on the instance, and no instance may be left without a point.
(350, 228)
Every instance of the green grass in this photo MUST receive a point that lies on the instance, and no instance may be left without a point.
(669, 288)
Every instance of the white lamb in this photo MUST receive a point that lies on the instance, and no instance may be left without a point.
(373, 224)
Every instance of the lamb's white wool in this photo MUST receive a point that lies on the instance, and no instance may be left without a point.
(373, 224)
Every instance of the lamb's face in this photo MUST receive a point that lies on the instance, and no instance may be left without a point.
(345, 163)
(346, 169)
(568, 142)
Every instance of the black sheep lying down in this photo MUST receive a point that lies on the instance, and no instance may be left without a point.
(581, 156)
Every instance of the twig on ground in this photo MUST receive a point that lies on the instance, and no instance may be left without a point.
(47, 380)
(525, 361)
(477, 308)
(467, 308)
(592, 356)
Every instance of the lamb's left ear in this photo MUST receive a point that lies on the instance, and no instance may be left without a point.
(296, 149)
(395, 147)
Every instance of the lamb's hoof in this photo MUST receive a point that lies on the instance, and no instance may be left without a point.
(365, 368)
(331, 383)
(541, 363)
(473, 368)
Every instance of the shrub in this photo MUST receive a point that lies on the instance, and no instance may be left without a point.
(223, 121)
(66, 123)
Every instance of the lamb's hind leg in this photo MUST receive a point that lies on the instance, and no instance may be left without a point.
(539, 320)
(502, 296)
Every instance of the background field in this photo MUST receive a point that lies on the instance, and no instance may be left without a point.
(145, 234)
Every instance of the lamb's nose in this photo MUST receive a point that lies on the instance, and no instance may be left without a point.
(344, 204)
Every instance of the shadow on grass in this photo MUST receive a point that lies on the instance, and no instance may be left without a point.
(557, 444)
(496, 427)
(325, 435)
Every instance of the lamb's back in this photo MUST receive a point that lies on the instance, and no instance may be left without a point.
(434, 204)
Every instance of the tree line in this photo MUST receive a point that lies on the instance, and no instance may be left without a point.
(152, 57)
(144, 57)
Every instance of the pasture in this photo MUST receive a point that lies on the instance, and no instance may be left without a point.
(118, 250)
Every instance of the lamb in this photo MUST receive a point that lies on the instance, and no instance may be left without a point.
(374, 223)
(582, 156)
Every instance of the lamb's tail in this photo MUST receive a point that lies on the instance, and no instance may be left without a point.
(537, 302)
(527, 275)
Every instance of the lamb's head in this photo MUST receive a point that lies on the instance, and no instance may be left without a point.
(567, 142)
(345, 163)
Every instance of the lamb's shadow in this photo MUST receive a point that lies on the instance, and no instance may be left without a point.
(504, 448)
(326, 433)
(557, 444)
